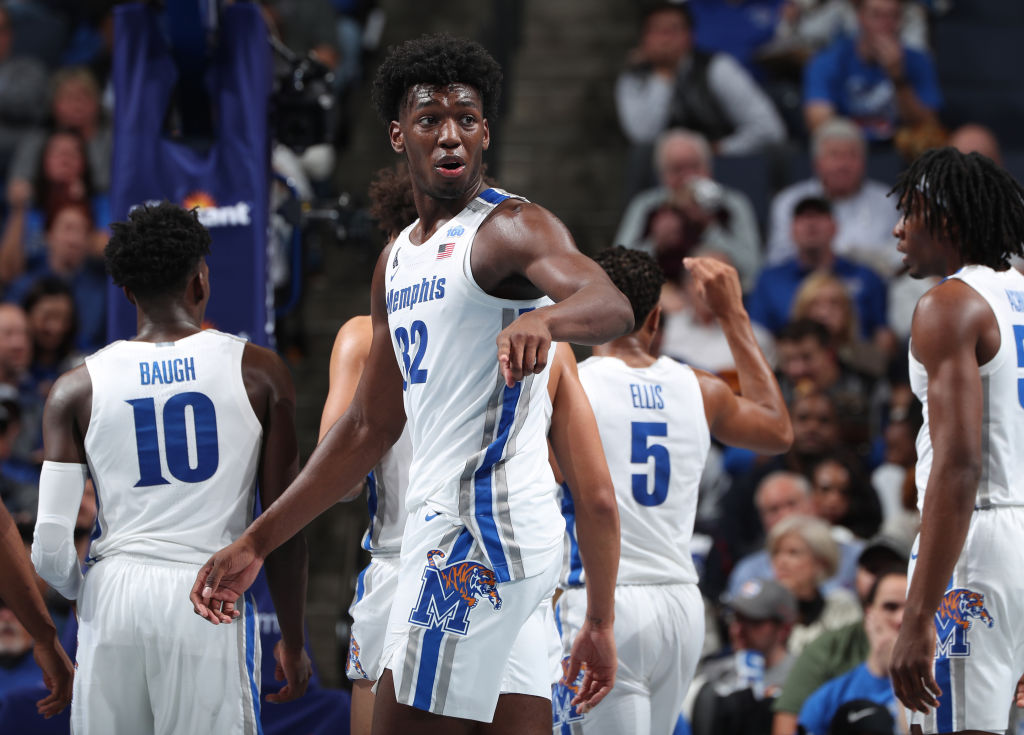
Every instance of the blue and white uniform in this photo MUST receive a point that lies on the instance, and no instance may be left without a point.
(173, 449)
(979, 653)
(376, 584)
(656, 440)
(481, 550)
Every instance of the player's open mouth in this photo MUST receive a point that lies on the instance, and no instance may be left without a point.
(450, 167)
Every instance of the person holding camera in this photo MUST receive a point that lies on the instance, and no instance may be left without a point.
(689, 210)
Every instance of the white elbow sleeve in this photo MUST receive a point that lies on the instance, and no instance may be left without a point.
(61, 486)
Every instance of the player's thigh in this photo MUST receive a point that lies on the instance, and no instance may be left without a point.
(623, 710)
(680, 612)
(361, 719)
(391, 717)
(110, 690)
(520, 714)
(201, 677)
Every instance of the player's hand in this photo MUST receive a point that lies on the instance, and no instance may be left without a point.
(223, 579)
(292, 667)
(523, 347)
(913, 656)
(716, 283)
(1018, 696)
(58, 676)
(594, 650)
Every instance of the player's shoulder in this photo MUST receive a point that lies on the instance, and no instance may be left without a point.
(355, 333)
(516, 220)
(264, 368)
(71, 387)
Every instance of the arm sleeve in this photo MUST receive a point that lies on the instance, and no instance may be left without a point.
(61, 485)
(757, 122)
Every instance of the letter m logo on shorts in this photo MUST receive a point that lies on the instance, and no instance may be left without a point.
(956, 613)
(447, 595)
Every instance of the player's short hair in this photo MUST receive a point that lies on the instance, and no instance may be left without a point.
(391, 202)
(969, 199)
(637, 275)
(437, 59)
(156, 250)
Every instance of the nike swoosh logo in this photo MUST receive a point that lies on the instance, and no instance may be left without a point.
(858, 715)
(913, 556)
(431, 516)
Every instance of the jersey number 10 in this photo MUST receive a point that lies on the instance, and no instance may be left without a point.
(175, 429)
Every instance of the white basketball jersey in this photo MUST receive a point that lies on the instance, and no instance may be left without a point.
(479, 448)
(385, 499)
(173, 447)
(656, 440)
(1002, 385)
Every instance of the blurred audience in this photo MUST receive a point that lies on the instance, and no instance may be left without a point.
(975, 138)
(690, 212)
(804, 555)
(863, 213)
(873, 78)
(669, 83)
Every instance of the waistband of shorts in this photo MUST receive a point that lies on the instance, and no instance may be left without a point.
(995, 506)
(149, 561)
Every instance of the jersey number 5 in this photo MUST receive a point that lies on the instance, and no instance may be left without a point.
(412, 372)
(642, 452)
(176, 439)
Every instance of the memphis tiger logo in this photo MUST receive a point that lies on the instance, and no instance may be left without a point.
(562, 693)
(448, 594)
(353, 658)
(959, 608)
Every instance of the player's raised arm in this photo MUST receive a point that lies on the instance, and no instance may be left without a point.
(271, 390)
(756, 419)
(576, 442)
(345, 455)
(944, 334)
(523, 244)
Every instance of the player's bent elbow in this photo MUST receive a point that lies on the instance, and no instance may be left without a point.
(56, 559)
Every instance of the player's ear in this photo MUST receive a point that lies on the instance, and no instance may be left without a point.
(653, 318)
(487, 135)
(129, 295)
(396, 137)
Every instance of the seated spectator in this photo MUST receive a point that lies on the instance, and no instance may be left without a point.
(872, 78)
(841, 495)
(21, 507)
(863, 213)
(739, 29)
(21, 468)
(75, 106)
(52, 322)
(18, 670)
(862, 717)
(823, 298)
(22, 91)
(838, 651)
(780, 495)
(893, 480)
(732, 695)
(690, 332)
(809, 363)
(814, 229)
(804, 555)
(870, 680)
(63, 178)
(668, 83)
(690, 212)
(68, 257)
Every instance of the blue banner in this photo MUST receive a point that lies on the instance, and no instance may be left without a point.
(228, 180)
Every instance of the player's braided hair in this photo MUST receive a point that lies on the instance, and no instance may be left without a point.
(969, 199)
(156, 250)
(637, 275)
(437, 59)
(391, 202)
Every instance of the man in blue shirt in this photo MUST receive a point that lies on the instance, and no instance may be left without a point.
(814, 228)
(872, 78)
(882, 617)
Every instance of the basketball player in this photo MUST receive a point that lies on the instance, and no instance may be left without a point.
(19, 592)
(960, 650)
(656, 418)
(465, 306)
(176, 427)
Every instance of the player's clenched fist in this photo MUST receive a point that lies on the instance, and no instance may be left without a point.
(523, 347)
(717, 284)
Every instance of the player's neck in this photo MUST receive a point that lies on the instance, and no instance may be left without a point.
(166, 325)
(434, 211)
(633, 349)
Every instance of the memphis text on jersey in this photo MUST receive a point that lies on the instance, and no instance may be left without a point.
(409, 296)
(178, 370)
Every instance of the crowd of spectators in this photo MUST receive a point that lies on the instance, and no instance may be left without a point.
(803, 556)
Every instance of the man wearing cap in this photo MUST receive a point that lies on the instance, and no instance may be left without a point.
(862, 717)
(836, 652)
(733, 695)
(882, 617)
(814, 230)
